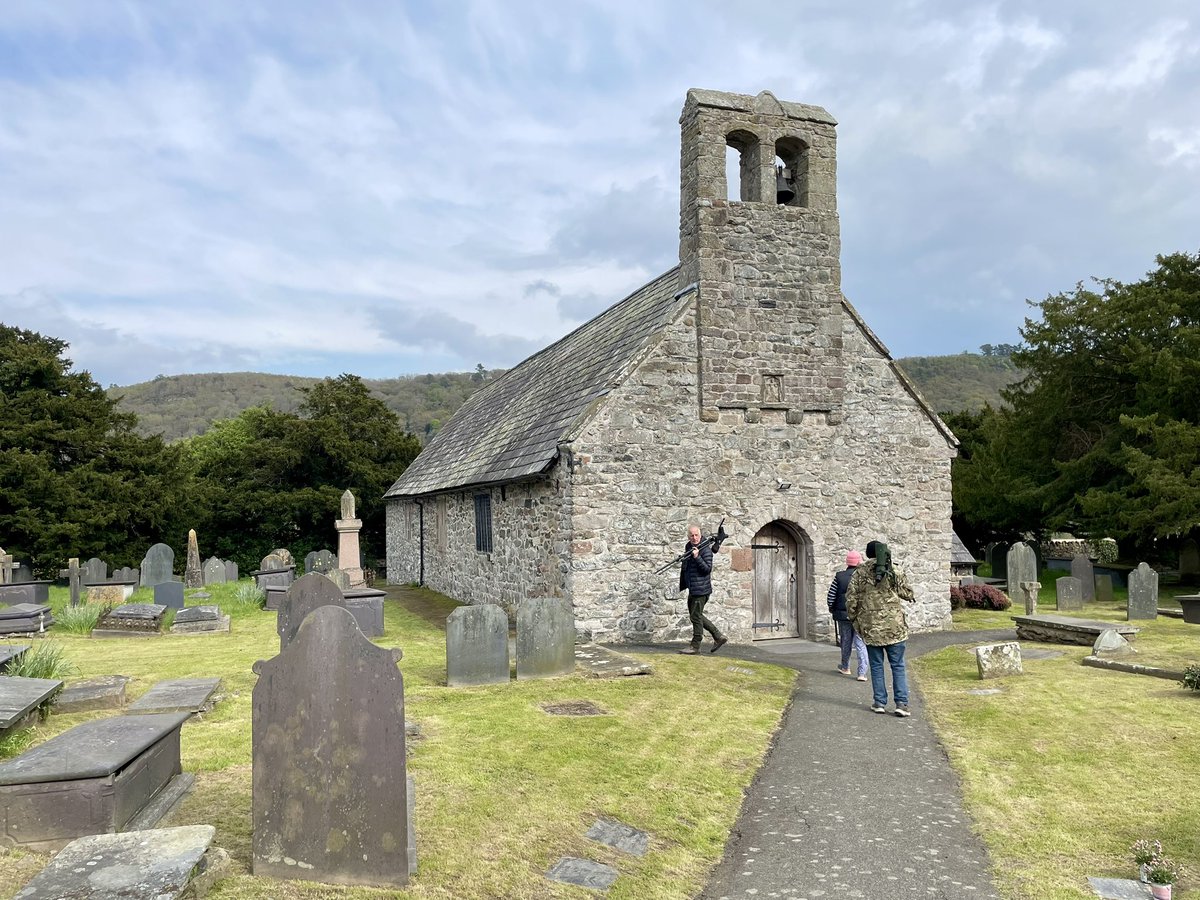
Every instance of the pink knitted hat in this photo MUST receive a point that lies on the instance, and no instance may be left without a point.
(854, 558)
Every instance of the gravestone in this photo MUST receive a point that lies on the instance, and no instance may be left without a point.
(366, 605)
(214, 571)
(93, 779)
(25, 618)
(74, 576)
(8, 568)
(1104, 589)
(1189, 562)
(329, 776)
(190, 695)
(1022, 566)
(285, 557)
(200, 620)
(545, 638)
(1068, 593)
(340, 577)
(477, 646)
(999, 660)
(1029, 594)
(131, 619)
(275, 571)
(1082, 568)
(619, 836)
(231, 571)
(306, 594)
(158, 565)
(1111, 643)
(23, 574)
(10, 653)
(583, 873)
(102, 692)
(125, 573)
(348, 526)
(136, 865)
(169, 594)
(21, 697)
(1000, 561)
(193, 575)
(1143, 593)
(322, 561)
(95, 571)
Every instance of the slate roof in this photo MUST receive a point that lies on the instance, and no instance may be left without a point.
(959, 554)
(511, 429)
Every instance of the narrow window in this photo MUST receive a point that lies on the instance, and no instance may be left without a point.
(483, 523)
(745, 174)
(440, 524)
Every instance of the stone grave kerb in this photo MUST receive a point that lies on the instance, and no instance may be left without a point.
(304, 595)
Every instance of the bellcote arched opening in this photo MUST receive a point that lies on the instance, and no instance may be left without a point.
(791, 165)
(743, 160)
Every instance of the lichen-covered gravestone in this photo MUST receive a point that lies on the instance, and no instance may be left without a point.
(999, 660)
(308, 593)
(1068, 592)
(193, 575)
(1082, 568)
(477, 645)
(329, 781)
(231, 571)
(1143, 593)
(1022, 566)
(545, 638)
(214, 570)
(158, 565)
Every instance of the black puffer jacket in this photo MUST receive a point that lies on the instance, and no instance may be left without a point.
(695, 575)
(837, 594)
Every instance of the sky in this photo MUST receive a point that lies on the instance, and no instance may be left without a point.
(385, 188)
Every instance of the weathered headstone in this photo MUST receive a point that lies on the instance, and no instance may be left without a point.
(285, 557)
(999, 660)
(25, 618)
(193, 575)
(199, 620)
(8, 568)
(74, 576)
(1082, 568)
(477, 645)
(169, 594)
(22, 574)
(156, 864)
(190, 695)
(95, 571)
(306, 594)
(340, 577)
(1029, 594)
(214, 571)
(329, 776)
(139, 619)
(1068, 592)
(348, 527)
(1111, 643)
(545, 638)
(322, 561)
(158, 565)
(125, 573)
(1022, 566)
(1104, 589)
(21, 697)
(1143, 593)
(231, 571)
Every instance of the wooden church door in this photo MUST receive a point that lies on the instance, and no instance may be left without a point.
(778, 577)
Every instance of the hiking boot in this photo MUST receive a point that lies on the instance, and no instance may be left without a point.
(902, 710)
(878, 709)
(718, 643)
(844, 671)
(691, 650)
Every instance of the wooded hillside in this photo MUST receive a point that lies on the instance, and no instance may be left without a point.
(180, 406)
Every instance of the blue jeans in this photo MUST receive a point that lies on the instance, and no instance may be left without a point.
(895, 658)
(848, 640)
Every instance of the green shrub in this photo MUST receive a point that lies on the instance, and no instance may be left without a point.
(1191, 677)
(47, 660)
(79, 619)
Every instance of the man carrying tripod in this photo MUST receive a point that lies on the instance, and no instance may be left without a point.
(695, 576)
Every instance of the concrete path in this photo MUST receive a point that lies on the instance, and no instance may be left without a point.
(850, 803)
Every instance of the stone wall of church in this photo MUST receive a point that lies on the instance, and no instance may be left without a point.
(647, 466)
(530, 543)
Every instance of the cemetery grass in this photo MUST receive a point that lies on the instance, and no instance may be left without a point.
(503, 790)
(1069, 765)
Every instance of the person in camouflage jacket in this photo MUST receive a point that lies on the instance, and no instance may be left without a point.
(875, 602)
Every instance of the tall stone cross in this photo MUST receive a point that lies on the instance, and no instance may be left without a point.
(74, 576)
(7, 567)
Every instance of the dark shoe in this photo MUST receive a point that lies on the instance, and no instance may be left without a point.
(690, 651)
(718, 644)
(902, 710)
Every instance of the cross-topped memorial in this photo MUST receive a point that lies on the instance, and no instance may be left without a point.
(7, 567)
(74, 576)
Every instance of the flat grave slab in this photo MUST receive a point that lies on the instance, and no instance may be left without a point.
(1067, 629)
(200, 620)
(189, 695)
(104, 692)
(619, 836)
(19, 697)
(11, 653)
(25, 618)
(1119, 888)
(583, 873)
(131, 619)
(154, 864)
(92, 779)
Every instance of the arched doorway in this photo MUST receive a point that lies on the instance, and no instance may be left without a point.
(780, 592)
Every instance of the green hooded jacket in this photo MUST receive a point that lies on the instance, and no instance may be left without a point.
(877, 610)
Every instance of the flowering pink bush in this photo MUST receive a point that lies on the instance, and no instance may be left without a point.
(978, 596)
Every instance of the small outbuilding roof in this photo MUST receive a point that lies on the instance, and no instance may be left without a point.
(511, 428)
(959, 554)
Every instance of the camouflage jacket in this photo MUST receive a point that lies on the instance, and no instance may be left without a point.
(877, 610)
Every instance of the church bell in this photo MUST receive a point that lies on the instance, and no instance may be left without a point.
(783, 190)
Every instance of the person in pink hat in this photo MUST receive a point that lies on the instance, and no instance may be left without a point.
(847, 637)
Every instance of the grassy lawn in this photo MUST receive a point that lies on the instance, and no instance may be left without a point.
(502, 789)
(1069, 765)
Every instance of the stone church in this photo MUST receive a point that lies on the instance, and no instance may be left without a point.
(740, 385)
